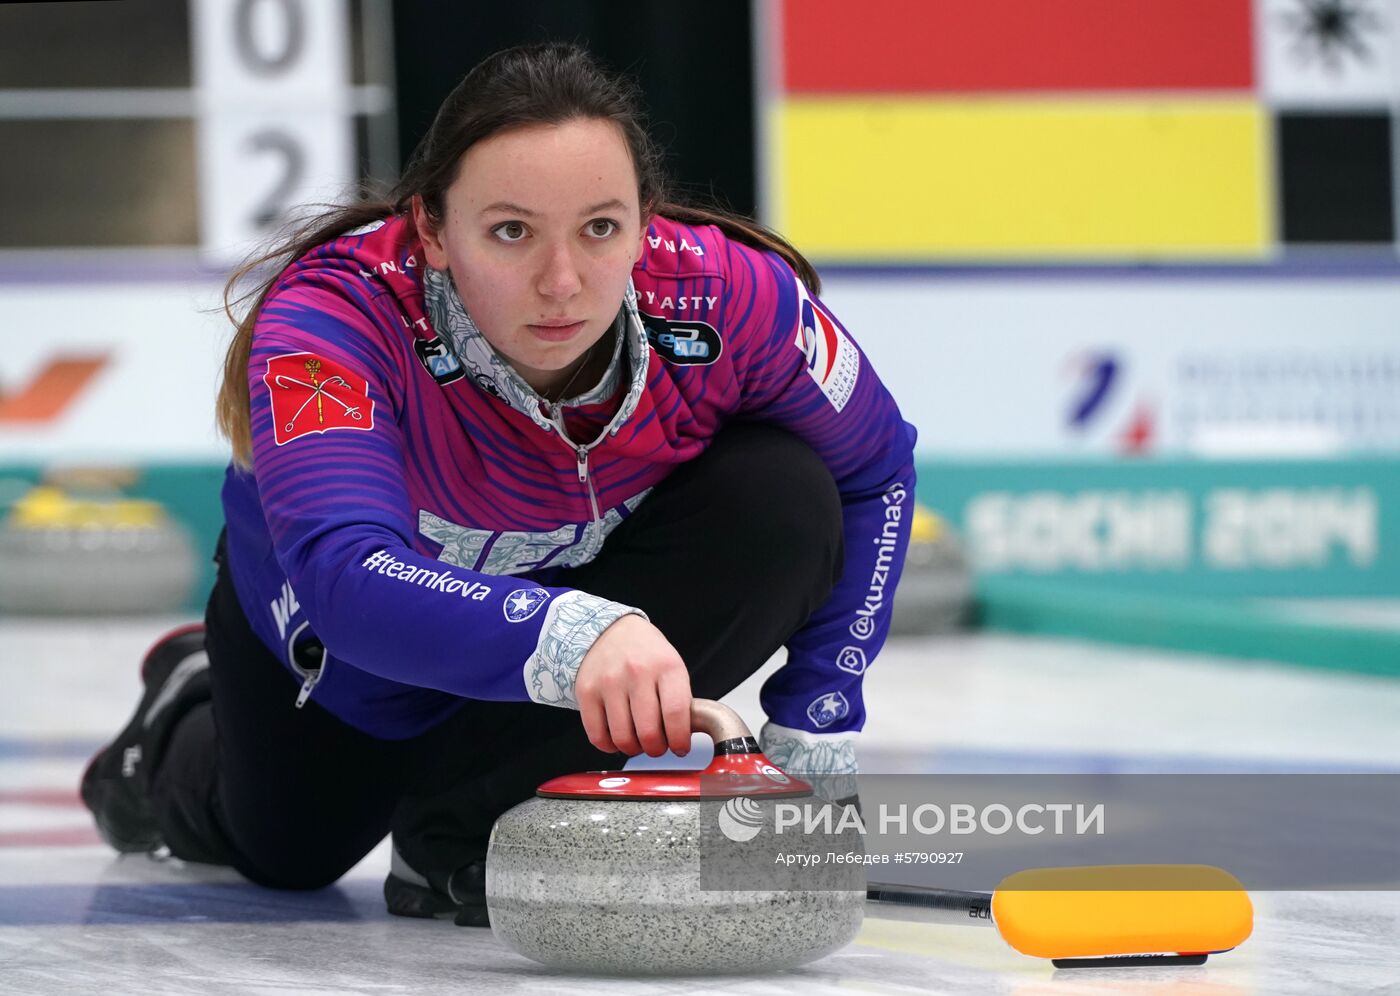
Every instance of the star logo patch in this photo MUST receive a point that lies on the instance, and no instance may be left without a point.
(523, 603)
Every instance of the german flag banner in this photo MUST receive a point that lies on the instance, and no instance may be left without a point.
(906, 131)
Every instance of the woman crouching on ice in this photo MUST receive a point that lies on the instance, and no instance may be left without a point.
(524, 444)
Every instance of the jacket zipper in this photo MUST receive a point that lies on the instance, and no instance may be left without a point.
(595, 528)
(309, 684)
(310, 677)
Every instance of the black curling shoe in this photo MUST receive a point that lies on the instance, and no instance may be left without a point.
(408, 893)
(116, 784)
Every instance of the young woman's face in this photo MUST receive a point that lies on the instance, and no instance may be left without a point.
(540, 231)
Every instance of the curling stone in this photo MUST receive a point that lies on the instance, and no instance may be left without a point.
(602, 871)
(936, 588)
(63, 555)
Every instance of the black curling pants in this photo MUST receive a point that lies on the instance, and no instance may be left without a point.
(728, 556)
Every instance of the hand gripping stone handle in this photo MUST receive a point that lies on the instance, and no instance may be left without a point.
(724, 726)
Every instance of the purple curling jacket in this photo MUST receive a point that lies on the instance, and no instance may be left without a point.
(411, 498)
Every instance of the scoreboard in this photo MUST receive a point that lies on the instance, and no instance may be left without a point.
(188, 124)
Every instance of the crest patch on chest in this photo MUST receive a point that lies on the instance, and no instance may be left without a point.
(683, 341)
(441, 363)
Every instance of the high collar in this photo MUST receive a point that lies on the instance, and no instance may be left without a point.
(492, 373)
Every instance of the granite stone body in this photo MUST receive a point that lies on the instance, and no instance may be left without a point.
(616, 887)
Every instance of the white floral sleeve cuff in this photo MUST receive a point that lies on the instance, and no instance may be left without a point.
(829, 757)
(573, 623)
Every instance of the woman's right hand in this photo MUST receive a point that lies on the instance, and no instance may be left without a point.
(634, 691)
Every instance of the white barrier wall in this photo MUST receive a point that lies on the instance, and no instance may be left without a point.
(115, 373)
(1042, 366)
(1004, 368)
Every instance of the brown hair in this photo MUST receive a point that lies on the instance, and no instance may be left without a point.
(546, 83)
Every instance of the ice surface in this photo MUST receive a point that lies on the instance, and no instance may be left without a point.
(77, 919)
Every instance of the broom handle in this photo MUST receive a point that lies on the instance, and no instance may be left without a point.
(913, 902)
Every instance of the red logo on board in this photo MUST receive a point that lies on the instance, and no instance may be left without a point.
(310, 394)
